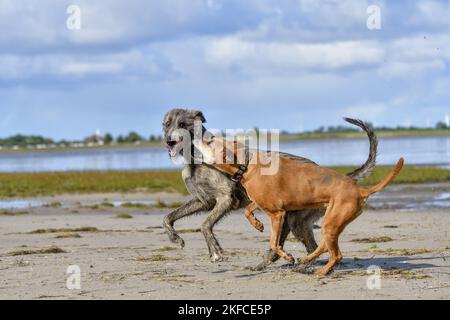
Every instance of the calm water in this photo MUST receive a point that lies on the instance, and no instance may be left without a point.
(420, 150)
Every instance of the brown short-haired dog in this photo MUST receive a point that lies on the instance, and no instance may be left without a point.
(296, 185)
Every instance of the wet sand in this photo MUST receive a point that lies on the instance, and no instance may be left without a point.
(129, 258)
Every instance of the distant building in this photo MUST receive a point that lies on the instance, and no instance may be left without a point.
(447, 120)
(95, 139)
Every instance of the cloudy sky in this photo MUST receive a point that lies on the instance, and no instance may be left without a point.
(287, 64)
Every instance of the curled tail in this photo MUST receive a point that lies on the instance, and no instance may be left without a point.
(367, 192)
(366, 169)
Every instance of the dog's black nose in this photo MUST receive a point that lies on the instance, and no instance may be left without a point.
(171, 143)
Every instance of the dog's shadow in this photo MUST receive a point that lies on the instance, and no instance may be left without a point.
(385, 263)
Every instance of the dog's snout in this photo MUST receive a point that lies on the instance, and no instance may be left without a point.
(171, 143)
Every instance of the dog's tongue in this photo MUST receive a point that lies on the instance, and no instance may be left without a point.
(170, 150)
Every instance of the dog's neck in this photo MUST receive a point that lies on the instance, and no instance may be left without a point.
(235, 169)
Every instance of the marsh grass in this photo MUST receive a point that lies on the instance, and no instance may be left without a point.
(133, 205)
(409, 174)
(53, 205)
(91, 207)
(68, 235)
(405, 274)
(54, 183)
(123, 216)
(12, 213)
(400, 252)
(37, 251)
(373, 240)
(107, 205)
(162, 204)
(166, 248)
(155, 258)
(396, 273)
(64, 230)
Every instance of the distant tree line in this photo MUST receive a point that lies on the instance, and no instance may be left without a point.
(24, 141)
(333, 129)
(131, 137)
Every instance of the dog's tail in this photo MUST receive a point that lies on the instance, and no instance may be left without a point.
(366, 169)
(391, 176)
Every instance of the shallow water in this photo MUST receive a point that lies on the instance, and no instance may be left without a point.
(20, 204)
(413, 197)
(415, 150)
(24, 204)
(403, 197)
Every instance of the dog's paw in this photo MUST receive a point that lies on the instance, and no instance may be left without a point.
(218, 258)
(319, 274)
(259, 267)
(289, 258)
(304, 260)
(262, 265)
(177, 240)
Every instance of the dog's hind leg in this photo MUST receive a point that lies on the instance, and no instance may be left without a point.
(322, 248)
(301, 223)
(333, 224)
(222, 207)
(185, 210)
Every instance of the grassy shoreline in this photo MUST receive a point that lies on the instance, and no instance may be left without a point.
(283, 138)
(362, 135)
(16, 185)
(156, 144)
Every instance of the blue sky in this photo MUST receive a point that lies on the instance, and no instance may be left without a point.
(286, 64)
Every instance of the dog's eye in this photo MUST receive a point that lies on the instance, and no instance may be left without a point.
(182, 125)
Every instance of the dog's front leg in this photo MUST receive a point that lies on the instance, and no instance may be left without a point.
(251, 217)
(185, 210)
(223, 206)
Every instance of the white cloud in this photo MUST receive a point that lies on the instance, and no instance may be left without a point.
(375, 110)
(42, 24)
(415, 55)
(132, 63)
(409, 69)
(338, 14)
(420, 47)
(266, 57)
(433, 13)
(82, 69)
(368, 111)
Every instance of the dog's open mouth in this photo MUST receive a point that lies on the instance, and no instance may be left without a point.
(174, 148)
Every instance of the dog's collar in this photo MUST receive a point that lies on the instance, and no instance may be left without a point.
(242, 168)
(237, 177)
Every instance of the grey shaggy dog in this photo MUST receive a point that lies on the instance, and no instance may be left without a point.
(214, 191)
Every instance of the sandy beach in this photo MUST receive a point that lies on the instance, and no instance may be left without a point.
(133, 259)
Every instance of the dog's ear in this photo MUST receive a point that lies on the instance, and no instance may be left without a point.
(198, 115)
